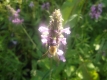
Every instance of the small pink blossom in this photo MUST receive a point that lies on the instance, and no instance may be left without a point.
(61, 55)
(66, 30)
(44, 36)
(18, 10)
(64, 41)
(17, 21)
(43, 29)
(54, 41)
(15, 18)
(60, 52)
(62, 58)
(17, 13)
(44, 40)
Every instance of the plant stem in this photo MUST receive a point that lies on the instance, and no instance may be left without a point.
(29, 37)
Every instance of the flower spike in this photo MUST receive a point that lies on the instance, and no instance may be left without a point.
(53, 35)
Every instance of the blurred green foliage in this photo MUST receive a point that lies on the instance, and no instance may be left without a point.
(86, 50)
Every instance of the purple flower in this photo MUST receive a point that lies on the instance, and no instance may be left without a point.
(47, 39)
(61, 55)
(63, 40)
(93, 8)
(43, 29)
(44, 35)
(31, 4)
(15, 18)
(18, 10)
(96, 11)
(44, 40)
(45, 6)
(53, 35)
(66, 30)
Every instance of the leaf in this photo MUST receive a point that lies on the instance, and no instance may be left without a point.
(71, 7)
(87, 71)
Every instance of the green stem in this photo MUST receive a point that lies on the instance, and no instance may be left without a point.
(50, 76)
(29, 37)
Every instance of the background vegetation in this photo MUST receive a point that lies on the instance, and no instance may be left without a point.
(21, 48)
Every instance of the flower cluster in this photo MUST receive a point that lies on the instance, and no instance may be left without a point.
(96, 11)
(14, 18)
(53, 35)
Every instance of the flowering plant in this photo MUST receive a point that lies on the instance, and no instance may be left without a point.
(14, 18)
(96, 11)
(53, 35)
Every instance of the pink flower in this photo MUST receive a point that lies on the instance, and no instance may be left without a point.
(44, 32)
(66, 30)
(44, 40)
(61, 56)
(43, 29)
(44, 36)
(17, 21)
(63, 40)
(53, 35)
(60, 52)
(18, 10)
(54, 41)
(15, 18)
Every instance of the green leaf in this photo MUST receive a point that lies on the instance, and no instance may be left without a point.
(71, 7)
(87, 71)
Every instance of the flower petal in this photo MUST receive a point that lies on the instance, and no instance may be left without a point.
(44, 36)
(66, 30)
(43, 29)
(54, 41)
(93, 8)
(62, 58)
(64, 41)
(44, 40)
(60, 52)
